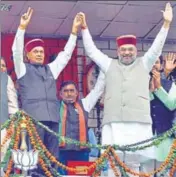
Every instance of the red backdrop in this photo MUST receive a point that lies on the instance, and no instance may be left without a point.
(52, 48)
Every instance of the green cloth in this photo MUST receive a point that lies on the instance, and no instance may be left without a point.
(169, 99)
(151, 96)
(162, 150)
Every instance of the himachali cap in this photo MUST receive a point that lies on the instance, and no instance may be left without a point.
(33, 43)
(126, 39)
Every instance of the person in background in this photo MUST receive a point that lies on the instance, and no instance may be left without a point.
(74, 119)
(169, 67)
(8, 104)
(163, 107)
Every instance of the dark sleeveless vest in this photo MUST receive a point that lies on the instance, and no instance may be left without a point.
(37, 89)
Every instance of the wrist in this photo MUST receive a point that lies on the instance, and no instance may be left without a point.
(83, 27)
(158, 86)
(166, 24)
(74, 30)
(22, 27)
(167, 71)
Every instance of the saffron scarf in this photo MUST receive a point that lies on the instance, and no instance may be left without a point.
(63, 120)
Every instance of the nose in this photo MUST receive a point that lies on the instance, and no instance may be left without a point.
(38, 54)
(69, 93)
(127, 52)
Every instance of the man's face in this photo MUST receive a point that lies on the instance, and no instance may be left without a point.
(3, 66)
(157, 66)
(36, 55)
(69, 93)
(127, 54)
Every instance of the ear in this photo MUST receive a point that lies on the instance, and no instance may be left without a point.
(28, 55)
(60, 93)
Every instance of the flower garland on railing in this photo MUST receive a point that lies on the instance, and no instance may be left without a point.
(156, 140)
(33, 132)
(33, 142)
(32, 129)
(12, 142)
(8, 135)
(162, 166)
(173, 169)
(9, 121)
(46, 158)
(9, 168)
(113, 166)
(124, 166)
(15, 146)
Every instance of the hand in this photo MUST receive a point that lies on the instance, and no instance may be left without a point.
(168, 13)
(83, 17)
(77, 21)
(76, 24)
(157, 78)
(170, 62)
(25, 18)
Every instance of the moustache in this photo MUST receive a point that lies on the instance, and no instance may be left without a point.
(127, 56)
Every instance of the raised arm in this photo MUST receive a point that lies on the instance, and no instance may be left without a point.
(63, 57)
(169, 63)
(12, 97)
(18, 44)
(155, 50)
(102, 60)
(91, 99)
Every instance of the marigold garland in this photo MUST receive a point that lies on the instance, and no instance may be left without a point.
(97, 173)
(162, 166)
(15, 146)
(117, 174)
(32, 140)
(132, 147)
(173, 169)
(17, 137)
(37, 144)
(9, 133)
(9, 168)
(54, 160)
